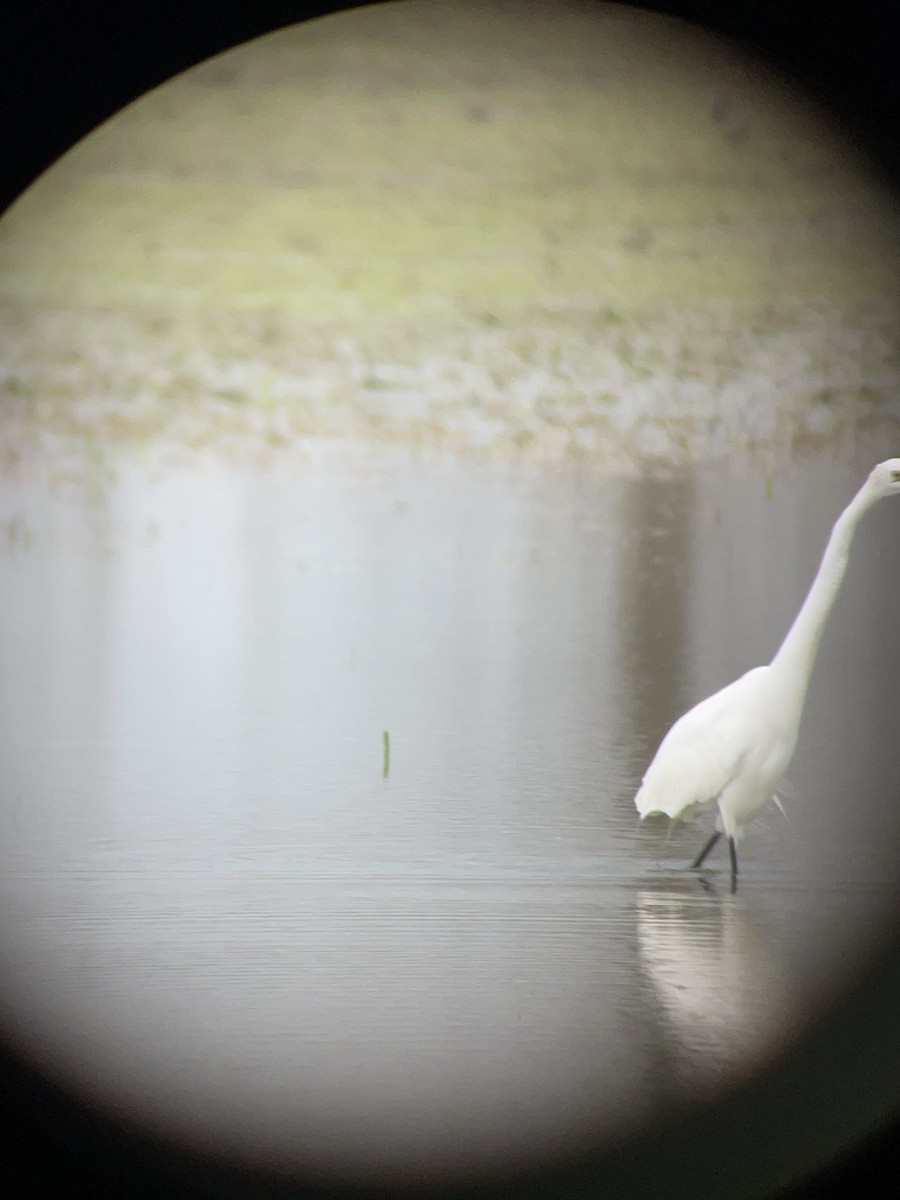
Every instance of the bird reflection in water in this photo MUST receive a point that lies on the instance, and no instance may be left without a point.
(724, 994)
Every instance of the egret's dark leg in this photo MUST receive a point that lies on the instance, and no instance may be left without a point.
(706, 849)
(732, 852)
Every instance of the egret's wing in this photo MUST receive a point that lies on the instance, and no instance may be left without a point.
(701, 753)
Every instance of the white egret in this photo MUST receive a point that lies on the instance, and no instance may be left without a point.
(729, 752)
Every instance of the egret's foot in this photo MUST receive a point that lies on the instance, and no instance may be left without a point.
(698, 861)
(732, 854)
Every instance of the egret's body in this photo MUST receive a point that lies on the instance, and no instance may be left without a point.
(730, 751)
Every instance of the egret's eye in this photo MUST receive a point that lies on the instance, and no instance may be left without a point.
(895, 476)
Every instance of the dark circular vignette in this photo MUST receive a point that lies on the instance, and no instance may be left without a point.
(68, 67)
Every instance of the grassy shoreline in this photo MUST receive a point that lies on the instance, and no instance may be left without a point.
(468, 231)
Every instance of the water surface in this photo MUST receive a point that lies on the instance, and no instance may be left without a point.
(219, 916)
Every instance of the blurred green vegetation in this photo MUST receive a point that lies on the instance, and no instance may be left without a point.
(410, 176)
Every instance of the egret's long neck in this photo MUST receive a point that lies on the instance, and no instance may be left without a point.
(796, 655)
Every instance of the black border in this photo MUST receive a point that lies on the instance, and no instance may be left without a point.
(67, 66)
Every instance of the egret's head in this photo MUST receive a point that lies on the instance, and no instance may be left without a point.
(885, 478)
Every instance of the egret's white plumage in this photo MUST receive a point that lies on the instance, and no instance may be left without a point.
(730, 751)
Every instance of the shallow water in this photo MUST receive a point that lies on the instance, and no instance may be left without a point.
(219, 915)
